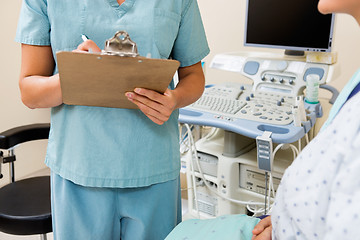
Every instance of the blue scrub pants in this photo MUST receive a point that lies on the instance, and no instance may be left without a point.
(92, 213)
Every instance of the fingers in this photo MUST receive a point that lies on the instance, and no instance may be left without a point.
(151, 99)
(150, 95)
(264, 235)
(88, 46)
(152, 114)
(264, 223)
(158, 107)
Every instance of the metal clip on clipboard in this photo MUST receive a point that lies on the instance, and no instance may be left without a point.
(121, 45)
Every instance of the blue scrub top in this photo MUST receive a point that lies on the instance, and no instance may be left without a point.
(110, 147)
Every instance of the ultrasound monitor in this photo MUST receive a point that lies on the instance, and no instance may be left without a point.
(293, 25)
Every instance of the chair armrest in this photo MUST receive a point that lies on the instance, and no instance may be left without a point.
(17, 135)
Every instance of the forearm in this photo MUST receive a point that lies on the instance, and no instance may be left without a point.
(189, 88)
(39, 88)
(40, 91)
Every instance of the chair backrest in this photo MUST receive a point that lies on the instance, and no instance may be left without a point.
(14, 136)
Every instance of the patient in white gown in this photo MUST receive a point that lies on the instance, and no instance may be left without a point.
(319, 194)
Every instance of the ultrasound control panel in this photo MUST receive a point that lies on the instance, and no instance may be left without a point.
(270, 103)
(238, 101)
(238, 108)
(278, 74)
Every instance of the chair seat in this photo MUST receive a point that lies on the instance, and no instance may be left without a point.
(29, 211)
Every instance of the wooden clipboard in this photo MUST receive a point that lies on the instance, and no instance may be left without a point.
(92, 79)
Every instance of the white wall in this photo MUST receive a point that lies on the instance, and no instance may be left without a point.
(224, 25)
(12, 112)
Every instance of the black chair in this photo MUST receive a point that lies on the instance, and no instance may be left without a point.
(25, 204)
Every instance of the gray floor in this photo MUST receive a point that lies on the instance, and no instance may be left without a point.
(4, 236)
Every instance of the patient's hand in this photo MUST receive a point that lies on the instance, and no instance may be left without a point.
(262, 231)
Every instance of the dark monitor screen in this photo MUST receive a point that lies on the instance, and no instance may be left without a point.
(288, 24)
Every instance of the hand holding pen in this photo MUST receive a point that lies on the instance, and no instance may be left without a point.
(84, 37)
(87, 45)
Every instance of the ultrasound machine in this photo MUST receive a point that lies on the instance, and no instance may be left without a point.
(258, 129)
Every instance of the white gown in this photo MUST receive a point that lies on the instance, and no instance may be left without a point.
(319, 195)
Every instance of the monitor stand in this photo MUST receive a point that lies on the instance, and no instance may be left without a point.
(294, 53)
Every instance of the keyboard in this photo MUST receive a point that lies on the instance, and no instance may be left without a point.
(218, 104)
(241, 102)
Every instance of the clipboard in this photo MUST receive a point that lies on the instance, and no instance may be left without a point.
(94, 79)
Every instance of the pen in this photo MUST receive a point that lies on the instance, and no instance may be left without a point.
(84, 37)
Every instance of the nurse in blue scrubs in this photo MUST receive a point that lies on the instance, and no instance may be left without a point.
(114, 172)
